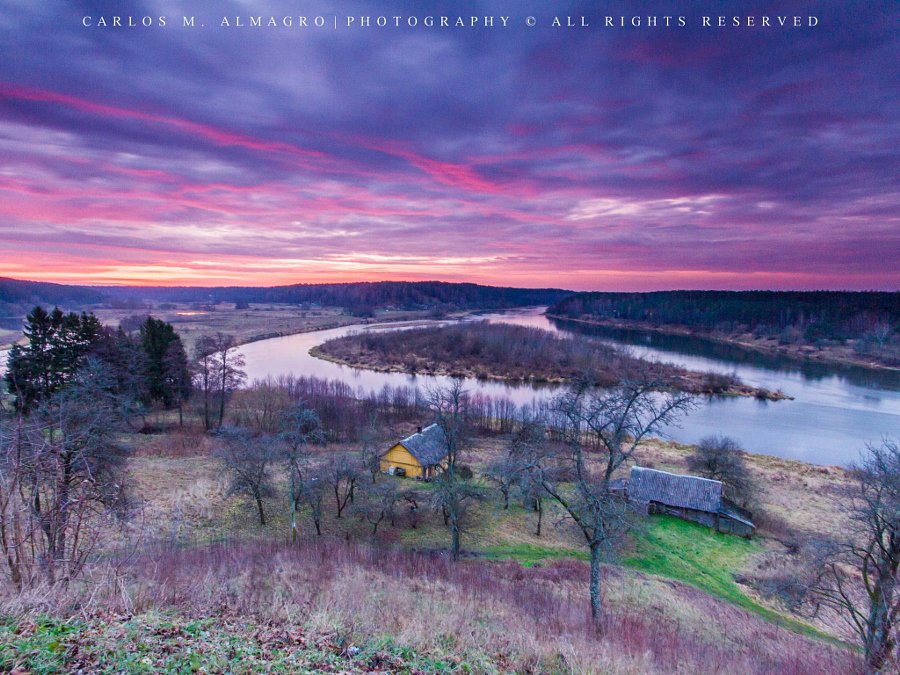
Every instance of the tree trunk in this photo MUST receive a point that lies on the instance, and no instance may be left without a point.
(596, 600)
(293, 509)
(206, 421)
(879, 642)
(540, 512)
(262, 513)
(318, 526)
(221, 407)
(454, 536)
(222, 387)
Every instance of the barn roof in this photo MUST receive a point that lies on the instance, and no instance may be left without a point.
(429, 446)
(671, 489)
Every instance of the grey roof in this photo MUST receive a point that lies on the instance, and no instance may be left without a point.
(429, 446)
(672, 489)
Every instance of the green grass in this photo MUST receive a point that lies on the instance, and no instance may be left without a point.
(529, 555)
(676, 549)
(695, 554)
(163, 643)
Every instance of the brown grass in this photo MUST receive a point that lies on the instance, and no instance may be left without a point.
(488, 614)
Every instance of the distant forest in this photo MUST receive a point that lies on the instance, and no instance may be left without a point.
(811, 317)
(359, 296)
(19, 297)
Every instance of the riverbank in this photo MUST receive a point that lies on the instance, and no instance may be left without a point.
(518, 354)
(838, 355)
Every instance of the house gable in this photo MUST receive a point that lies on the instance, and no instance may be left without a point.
(398, 456)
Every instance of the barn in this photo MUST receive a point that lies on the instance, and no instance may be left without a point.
(420, 455)
(689, 497)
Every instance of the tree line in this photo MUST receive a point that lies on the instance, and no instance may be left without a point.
(76, 389)
(871, 317)
(358, 296)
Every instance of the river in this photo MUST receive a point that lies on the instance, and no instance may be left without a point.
(835, 410)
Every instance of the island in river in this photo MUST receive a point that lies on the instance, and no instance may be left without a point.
(518, 354)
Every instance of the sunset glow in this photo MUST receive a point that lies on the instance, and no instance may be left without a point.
(609, 159)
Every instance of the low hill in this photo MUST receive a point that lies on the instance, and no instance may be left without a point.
(19, 296)
(359, 295)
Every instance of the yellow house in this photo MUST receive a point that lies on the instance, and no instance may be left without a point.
(420, 456)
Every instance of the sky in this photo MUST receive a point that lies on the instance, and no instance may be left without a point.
(590, 157)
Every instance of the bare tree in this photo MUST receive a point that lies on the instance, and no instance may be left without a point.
(504, 472)
(312, 494)
(218, 371)
(204, 375)
(342, 472)
(300, 427)
(370, 452)
(858, 577)
(454, 489)
(379, 505)
(721, 458)
(602, 430)
(249, 459)
(62, 474)
(529, 452)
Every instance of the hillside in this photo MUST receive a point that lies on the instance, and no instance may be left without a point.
(19, 296)
(356, 296)
(209, 590)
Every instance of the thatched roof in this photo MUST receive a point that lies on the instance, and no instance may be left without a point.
(429, 446)
(672, 489)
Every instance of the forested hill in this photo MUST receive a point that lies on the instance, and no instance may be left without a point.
(22, 295)
(832, 315)
(403, 294)
(18, 297)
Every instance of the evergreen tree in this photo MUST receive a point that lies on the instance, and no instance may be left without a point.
(166, 368)
(57, 346)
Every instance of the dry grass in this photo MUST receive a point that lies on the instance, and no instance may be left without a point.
(793, 497)
(259, 322)
(490, 617)
(183, 499)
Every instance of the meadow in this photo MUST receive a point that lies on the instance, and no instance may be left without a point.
(192, 583)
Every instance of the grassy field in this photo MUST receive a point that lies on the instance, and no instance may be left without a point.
(190, 504)
(333, 606)
(258, 322)
(672, 548)
(204, 588)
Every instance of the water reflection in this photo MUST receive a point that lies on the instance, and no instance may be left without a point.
(835, 411)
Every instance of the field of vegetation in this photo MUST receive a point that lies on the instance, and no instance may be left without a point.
(158, 514)
(244, 324)
(236, 310)
(520, 353)
(194, 583)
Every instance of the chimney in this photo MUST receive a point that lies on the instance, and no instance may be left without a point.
(418, 430)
